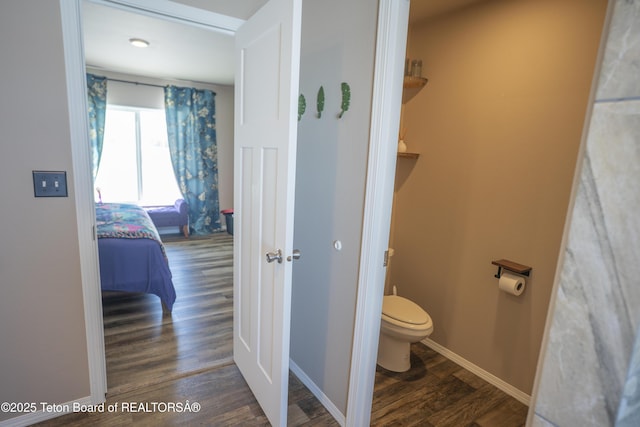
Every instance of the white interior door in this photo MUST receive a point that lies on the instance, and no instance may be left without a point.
(266, 91)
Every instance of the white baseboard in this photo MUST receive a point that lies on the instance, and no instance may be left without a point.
(488, 377)
(326, 402)
(40, 415)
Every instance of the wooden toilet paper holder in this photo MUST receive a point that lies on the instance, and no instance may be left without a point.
(524, 270)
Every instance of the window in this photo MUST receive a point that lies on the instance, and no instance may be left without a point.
(135, 166)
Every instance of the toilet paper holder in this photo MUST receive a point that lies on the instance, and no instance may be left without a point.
(524, 270)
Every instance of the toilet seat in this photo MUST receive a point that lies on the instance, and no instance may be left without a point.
(399, 310)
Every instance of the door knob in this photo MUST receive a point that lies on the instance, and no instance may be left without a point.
(295, 255)
(275, 256)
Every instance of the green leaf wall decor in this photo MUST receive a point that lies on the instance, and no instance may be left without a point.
(302, 106)
(346, 98)
(320, 102)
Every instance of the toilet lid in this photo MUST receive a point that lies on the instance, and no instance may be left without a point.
(403, 310)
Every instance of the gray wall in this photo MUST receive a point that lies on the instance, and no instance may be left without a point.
(42, 331)
(597, 305)
(338, 40)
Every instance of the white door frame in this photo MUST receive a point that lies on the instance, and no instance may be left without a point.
(393, 19)
(390, 51)
(71, 15)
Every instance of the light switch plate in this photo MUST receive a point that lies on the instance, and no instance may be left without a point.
(50, 184)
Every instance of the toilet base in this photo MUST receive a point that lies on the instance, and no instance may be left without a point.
(394, 354)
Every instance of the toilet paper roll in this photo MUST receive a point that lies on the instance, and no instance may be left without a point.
(511, 283)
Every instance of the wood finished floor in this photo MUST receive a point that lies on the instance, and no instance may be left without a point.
(187, 356)
(436, 392)
(143, 346)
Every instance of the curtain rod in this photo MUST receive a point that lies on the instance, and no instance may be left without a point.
(134, 83)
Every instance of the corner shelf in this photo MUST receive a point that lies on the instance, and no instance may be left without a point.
(409, 155)
(411, 82)
(412, 85)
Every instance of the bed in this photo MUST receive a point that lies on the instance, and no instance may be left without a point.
(132, 256)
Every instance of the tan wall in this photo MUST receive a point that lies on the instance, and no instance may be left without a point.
(498, 129)
(43, 349)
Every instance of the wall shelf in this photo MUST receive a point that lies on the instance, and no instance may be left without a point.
(412, 85)
(409, 155)
(415, 82)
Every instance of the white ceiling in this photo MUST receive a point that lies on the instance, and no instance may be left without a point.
(180, 51)
(176, 51)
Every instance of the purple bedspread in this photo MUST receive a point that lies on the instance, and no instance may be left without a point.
(132, 257)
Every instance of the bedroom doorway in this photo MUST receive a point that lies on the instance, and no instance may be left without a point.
(275, 10)
(136, 320)
(275, 27)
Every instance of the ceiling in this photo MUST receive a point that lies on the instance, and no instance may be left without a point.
(184, 52)
(176, 52)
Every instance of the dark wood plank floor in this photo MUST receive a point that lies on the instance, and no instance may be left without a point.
(144, 347)
(437, 392)
(187, 356)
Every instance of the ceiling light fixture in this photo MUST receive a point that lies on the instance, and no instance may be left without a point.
(139, 42)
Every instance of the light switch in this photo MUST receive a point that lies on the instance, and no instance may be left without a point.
(50, 184)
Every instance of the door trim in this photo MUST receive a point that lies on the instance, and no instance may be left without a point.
(393, 21)
(71, 17)
(176, 12)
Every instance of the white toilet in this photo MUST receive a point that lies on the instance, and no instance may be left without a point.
(403, 323)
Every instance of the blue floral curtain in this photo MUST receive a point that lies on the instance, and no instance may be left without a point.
(191, 127)
(97, 97)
